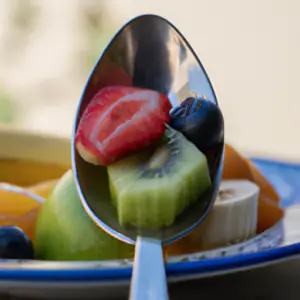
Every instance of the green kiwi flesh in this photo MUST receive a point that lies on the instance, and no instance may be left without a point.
(151, 188)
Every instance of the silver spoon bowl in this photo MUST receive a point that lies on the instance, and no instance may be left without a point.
(147, 52)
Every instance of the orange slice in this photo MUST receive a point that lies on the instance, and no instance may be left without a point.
(19, 207)
(235, 166)
(238, 167)
(266, 187)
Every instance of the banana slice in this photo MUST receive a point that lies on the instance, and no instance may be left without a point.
(234, 216)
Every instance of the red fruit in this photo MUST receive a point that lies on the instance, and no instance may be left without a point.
(120, 120)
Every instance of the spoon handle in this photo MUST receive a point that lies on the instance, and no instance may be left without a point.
(149, 280)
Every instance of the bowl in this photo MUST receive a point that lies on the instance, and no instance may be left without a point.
(28, 157)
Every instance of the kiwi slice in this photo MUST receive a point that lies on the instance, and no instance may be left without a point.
(151, 188)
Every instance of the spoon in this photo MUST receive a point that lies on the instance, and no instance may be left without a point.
(147, 52)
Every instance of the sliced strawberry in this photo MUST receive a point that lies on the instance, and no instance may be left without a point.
(120, 120)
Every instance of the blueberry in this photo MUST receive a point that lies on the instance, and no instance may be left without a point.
(200, 120)
(14, 244)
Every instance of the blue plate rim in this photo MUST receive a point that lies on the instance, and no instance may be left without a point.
(173, 269)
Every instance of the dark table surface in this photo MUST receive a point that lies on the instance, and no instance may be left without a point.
(276, 282)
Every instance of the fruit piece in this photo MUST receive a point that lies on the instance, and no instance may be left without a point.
(44, 188)
(120, 120)
(200, 121)
(16, 200)
(149, 191)
(19, 207)
(14, 244)
(266, 188)
(235, 166)
(65, 232)
(233, 218)
(269, 211)
(238, 167)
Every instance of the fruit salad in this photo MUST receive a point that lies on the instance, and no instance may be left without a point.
(56, 226)
(154, 160)
(155, 171)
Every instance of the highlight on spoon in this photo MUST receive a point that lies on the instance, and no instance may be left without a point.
(139, 168)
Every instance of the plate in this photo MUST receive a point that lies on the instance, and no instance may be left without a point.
(101, 279)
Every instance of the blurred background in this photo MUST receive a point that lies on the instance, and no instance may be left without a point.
(250, 50)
